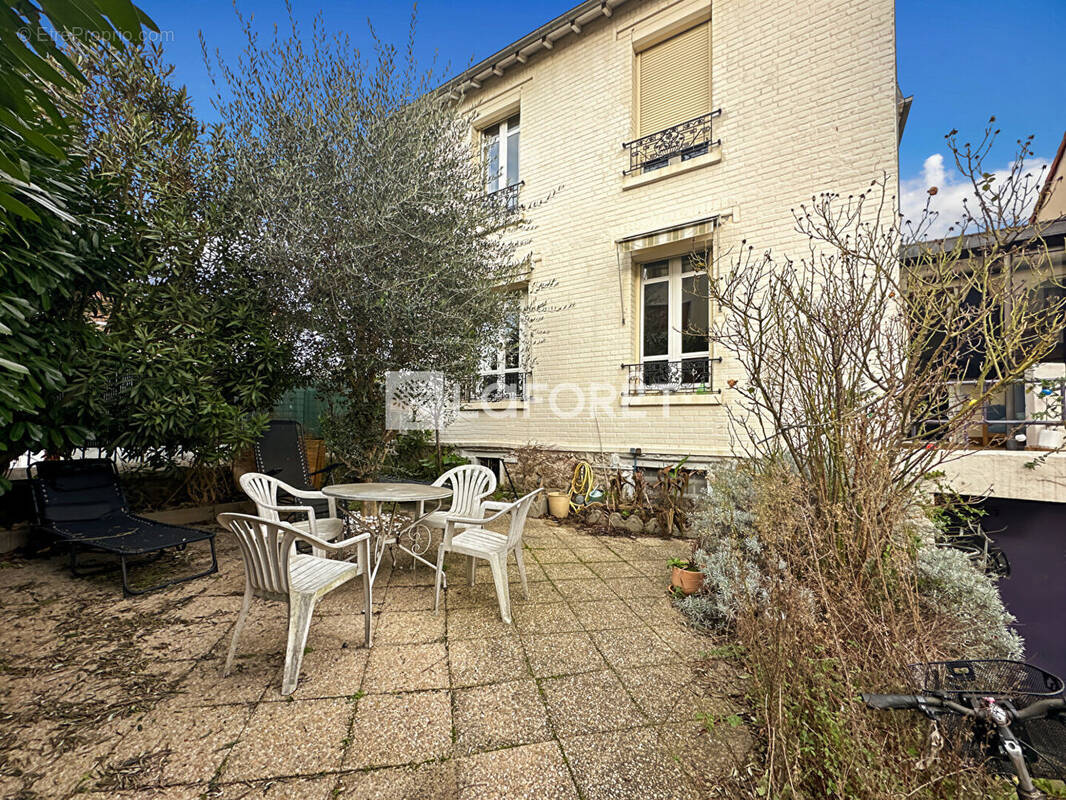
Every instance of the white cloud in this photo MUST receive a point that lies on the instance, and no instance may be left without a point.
(952, 189)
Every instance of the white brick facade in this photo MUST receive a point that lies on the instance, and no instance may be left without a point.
(807, 91)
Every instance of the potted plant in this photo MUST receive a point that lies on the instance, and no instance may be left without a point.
(686, 577)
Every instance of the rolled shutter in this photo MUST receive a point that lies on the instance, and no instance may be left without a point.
(675, 80)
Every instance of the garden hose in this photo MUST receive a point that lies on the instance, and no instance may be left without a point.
(581, 485)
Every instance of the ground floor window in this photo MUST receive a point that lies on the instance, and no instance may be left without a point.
(503, 375)
(675, 322)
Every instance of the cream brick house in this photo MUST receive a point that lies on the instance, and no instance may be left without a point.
(732, 112)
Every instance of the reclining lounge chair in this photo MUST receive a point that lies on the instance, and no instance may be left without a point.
(81, 503)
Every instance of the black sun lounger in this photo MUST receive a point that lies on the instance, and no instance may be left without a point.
(82, 504)
(280, 454)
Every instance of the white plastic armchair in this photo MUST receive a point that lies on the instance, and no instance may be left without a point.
(273, 570)
(474, 541)
(263, 491)
(470, 485)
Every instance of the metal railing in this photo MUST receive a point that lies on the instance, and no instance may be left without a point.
(687, 376)
(507, 197)
(687, 139)
(497, 386)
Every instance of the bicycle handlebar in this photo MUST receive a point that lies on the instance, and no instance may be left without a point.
(1040, 708)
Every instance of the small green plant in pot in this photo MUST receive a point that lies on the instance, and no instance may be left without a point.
(686, 576)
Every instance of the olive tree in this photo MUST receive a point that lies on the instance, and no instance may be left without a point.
(364, 200)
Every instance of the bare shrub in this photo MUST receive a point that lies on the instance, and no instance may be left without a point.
(847, 410)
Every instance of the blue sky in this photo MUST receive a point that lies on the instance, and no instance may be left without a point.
(963, 60)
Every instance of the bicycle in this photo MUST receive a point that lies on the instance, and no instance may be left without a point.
(1017, 710)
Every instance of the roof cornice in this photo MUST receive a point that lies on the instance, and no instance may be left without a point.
(569, 23)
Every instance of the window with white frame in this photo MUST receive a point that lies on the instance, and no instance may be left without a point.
(503, 375)
(499, 144)
(675, 323)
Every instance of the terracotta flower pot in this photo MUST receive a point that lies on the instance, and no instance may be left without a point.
(687, 580)
(559, 504)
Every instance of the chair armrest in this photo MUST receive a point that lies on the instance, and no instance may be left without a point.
(495, 505)
(314, 541)
(306, 494)
(480, 520)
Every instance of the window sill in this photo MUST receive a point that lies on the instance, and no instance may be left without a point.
(712, 156)
(510, 404)
(679, 399)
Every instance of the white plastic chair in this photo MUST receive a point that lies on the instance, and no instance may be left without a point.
(273, 570)
(475, 542)
(263, 491)
(470, 485)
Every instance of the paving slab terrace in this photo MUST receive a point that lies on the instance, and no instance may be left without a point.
(598, 689)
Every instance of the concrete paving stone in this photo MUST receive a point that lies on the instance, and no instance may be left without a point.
(498, 715)
(480, 622)
(635, 647)
(707, 749)
(568, 571)
(424, 782)
(593, 554)
(598, 615)
(539, 592)
(553, 555)
(251, 676)
(615, 569)
(395, 729)
(152, 793)
(332, 631)
(517, 773)
(687, 642)
(627, 588)
(409, 627)
(653, 568)
(174, 746)
(408, 598)
(348, 599)
(479, 661)
(403, 575)
(53, 758)
(300, 737)
(673, 692)
(591, 702)
(327, 673)
(654, 610)
(551, 618)
(320, 788)
(557, 654)
(582, 589)
(627, 764)
(192, 640)
(412, 667)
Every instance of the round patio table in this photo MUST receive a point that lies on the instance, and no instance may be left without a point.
(392, 494)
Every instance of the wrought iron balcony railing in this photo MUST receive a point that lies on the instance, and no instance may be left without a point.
(688, 140)
(688, 376)
(507, 196)
(495, 387)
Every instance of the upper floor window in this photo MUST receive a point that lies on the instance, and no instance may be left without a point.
(674, 80)
(673, 100)
(500, 148)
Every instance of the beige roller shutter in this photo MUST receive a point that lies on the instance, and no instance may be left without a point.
(675, 80)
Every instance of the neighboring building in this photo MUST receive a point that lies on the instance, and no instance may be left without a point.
(731, 114)
(1051, 204)
(1037, 402)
